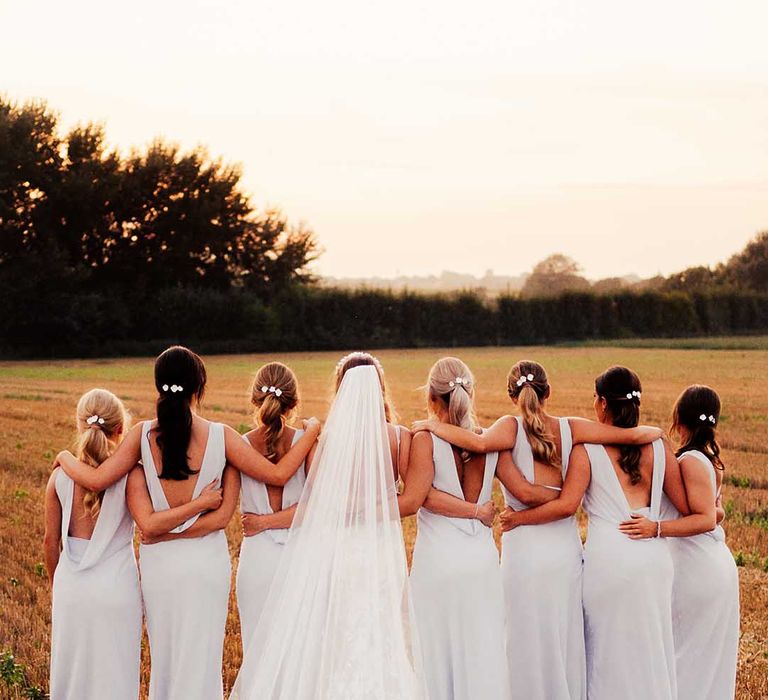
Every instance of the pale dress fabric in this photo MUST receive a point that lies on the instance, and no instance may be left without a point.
(627, 592)
(96, 619)
(457, 594)
(260, 554)
(705, 608)
(541, 568)
(185, 584)
(338, 623)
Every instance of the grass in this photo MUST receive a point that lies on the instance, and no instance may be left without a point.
(36, 420)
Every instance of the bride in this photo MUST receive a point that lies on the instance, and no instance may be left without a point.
(337, 622)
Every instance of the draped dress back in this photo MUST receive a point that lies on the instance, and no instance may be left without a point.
(260, 554)
(541, 568)
(705, 607)
(457, 593)
(627, 591)
(185, 583)
(96, 618)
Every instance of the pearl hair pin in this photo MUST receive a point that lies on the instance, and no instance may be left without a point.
(173, 388)
(703, 417)
(95, 420)
(459, 380)
(272, 390)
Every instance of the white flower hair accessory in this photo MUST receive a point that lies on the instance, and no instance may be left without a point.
(459, 381)
(173, 388)
(272, 390)
(95, 420)
(524, 378)
(703, 417)
(633, 394)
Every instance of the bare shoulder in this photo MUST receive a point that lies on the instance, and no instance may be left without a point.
(51, 485)
(691, 464)
(422, 440)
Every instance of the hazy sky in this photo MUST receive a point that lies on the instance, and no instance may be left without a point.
(422, 135)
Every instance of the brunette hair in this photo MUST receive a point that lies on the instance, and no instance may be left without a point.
(621, 389)
(180, 377)
(694, 419)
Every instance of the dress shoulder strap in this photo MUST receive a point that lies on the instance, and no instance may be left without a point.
(657, 481)
(566, 444)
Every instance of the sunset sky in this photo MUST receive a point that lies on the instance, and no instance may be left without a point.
(415, 135)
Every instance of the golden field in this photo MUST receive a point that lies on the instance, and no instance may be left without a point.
(37, 403)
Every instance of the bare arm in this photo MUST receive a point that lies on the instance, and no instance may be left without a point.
(574, 486)
(719, 510)
(701, 499)
(522, 489)
(255, 523)
(500, 436)
(421, 473)
(153, 523)
(673, 482)
(589, 431)
(52, 537)
(110, 470)
(252, 463)
(443, 503)
(405, 451)
(212, 520)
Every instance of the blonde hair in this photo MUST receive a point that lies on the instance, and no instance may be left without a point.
(360, 359)
(527, 382)
(452, 383)
(273, 409)
(101, 423)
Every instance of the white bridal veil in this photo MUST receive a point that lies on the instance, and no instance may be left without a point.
(337, 622)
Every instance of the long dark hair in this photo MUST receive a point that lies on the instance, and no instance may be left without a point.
(179, 377)
(621, 389)
(697, 411)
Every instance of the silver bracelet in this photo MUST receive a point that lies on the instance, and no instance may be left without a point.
(477, 507)
(658, 528)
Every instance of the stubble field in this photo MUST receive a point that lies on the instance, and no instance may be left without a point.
(37, 403)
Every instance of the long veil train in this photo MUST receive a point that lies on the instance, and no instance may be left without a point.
(338, 622)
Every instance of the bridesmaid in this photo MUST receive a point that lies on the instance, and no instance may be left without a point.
(455, 577)
(185, 581)
(267, 511)
(96, 618)
(627, 585)
(705, 600)
(542, 566)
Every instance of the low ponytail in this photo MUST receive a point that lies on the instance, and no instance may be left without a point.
(621, 389)
(452, 383)
(275, 395)
(101, 422)
(180, 377)
(527, 383)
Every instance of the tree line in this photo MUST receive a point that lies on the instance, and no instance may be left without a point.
(104, 253)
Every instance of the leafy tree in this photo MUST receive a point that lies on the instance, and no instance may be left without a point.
(154, 219)
(749, 268)
(554, 275)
